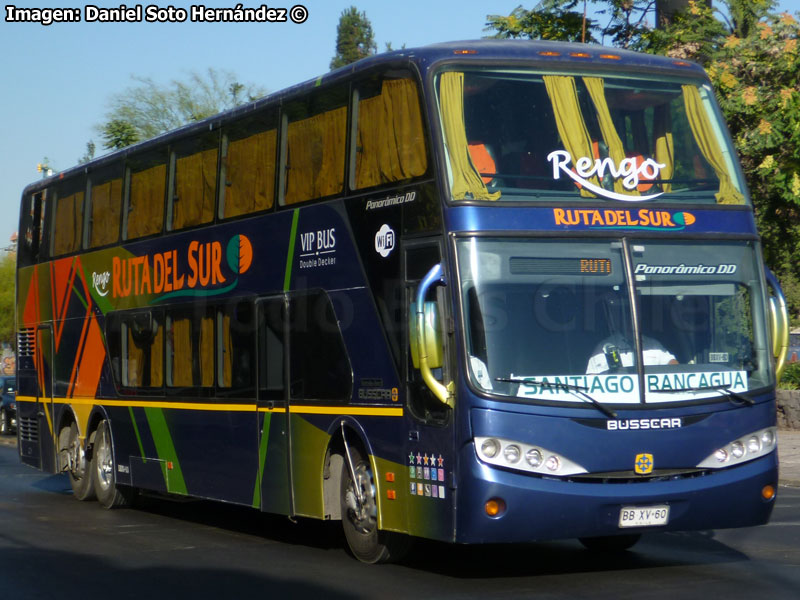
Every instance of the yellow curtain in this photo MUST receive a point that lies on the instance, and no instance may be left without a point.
(157, 358)
(704, 135)
(146, 210)
(207, 352)
(315, 156)
(195, 185)
(134, 363)
(467, 182)
(181, 353)
(227, 349)
(69, 219)
(250, 174)
(665, 148)
(106, 211)
(616, 150)
(391, 143)
(571, 127)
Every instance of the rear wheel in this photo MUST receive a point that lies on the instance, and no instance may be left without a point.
(610, 543)
(80, 471)
(360, 515)
(109, 493)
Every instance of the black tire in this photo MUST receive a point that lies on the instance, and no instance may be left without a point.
(610, 543)
(109, 493)
(360, 520)
(79, 470)
(4, 427)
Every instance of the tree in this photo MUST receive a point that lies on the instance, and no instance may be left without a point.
(148, 109)
(7, 294)
(354, 38)
(549, 20)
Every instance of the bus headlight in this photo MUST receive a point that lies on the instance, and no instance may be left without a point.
(508, 454)
(748, 447)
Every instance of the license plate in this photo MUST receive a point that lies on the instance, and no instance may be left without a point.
(643, 516)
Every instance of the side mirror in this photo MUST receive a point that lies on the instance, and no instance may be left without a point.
(426, 339)
(778, 323)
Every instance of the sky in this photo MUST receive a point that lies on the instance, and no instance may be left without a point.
(56, 81)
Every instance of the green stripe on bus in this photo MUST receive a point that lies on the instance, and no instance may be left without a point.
(262, 459)
(138, 435)
(165, 449)
(287, 279)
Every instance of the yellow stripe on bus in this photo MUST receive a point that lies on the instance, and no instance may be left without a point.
(372, 411)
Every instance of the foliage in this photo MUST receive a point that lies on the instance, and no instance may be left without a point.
(549, 20)
(148, 109)
(757, 80)
(790, 379)
(7, 293)
(89, 154)
(354, 38)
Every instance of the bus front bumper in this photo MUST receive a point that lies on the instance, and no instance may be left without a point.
(536, 508)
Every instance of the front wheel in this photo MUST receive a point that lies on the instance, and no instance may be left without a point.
(360, 515)
(109, 493)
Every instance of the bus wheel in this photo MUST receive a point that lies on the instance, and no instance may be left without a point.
(109, 494)
(360, 515)
(610, 543)
(81, 473)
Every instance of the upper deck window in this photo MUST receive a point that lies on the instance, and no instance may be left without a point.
(105, 206)
(316, 133)
(194, 181)
(68, 225)
(519, 135)
(148, 184)
(390, 137)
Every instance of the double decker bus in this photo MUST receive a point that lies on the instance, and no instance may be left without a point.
(477, 292)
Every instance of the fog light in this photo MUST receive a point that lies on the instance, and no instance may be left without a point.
(512, 453)
(490, 448)
(768, 492)
(495, 507)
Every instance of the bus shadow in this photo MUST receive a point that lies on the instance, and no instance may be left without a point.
(657, 550)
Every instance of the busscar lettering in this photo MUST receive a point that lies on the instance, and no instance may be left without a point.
(42, 16)
(640, 424)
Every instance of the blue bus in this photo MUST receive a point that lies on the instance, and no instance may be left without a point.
(477, 292)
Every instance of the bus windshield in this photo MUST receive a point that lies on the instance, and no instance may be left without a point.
(518, 135)
(546, 318)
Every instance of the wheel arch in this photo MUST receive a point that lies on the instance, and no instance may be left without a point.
(335, 458)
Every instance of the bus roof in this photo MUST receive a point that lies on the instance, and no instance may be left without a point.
(536, 53)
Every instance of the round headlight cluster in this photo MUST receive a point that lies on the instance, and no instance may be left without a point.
(759, 443)
(524, 457)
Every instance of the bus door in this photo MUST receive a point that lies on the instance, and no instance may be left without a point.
(430, 451)
(274, 461)
(45, 412)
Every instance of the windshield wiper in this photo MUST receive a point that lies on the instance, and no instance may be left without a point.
(729, 393)
(579, 391)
